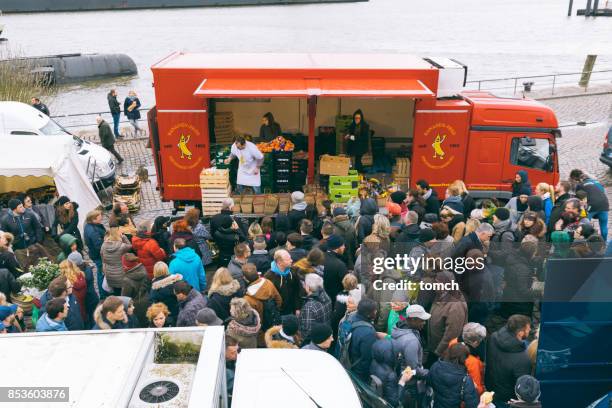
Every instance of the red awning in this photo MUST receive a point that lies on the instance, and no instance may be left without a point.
(283, 87)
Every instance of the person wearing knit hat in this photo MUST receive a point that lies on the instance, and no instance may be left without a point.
(398, 197)
(297, 197)
(76, 258)
(208, 317)
(284, 336)
(62, 200)
(502, 213)
(297, 212)
(335, 243)
(527, 392)
(321, 337)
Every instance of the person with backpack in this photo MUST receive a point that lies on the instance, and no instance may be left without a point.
(356, 336)
(321, 338)
(407, 343)
(451, 384)
(262, 296)
(504, 236)
(317, 306)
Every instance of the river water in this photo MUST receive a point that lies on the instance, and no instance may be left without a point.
(494, 38)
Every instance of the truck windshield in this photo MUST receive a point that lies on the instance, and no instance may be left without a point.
(52, 128)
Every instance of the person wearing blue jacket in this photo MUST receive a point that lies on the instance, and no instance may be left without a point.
(53, 320)
(521, 184)
(187, 263)
(61, 288)
(450, 381)
(363, 337)
(94, 238)
(383, 368)
(547, 193)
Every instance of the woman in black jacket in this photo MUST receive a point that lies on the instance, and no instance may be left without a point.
(131, 109)
(67, 217)
(226, 237)
(450, 381)
(358, 138)
(162, 288)
(269, 128)
(160, 233)
(222, 290)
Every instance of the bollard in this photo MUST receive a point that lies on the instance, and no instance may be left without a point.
(527, 86)
(589, 63)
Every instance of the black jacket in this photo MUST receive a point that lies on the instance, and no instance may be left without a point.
(417, 208)
(470, 241)
(468, 205)
(344, 227)
(9, 261)
(268, 132)
(288, 287)
(8, 283)
(596, 197)
(135, 113)
(20, 225)
(42, 107)
(432, 204)
(226, 239)
(369, 208)
(507, 360)
(361, 144)
(113, 103)
(295, 217)
(383, 367)
(333, 272)
(518, 277)
(452, 385)
(71, 227)
(220, 299)
(94, 238)
(360, 351)
(297, 254)
(162, 290)
(107, 140)
(261, 261)
(309, 242)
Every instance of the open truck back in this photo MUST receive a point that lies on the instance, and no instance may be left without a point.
(417, 106)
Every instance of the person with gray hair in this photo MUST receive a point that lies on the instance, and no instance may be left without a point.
(472, 336)
(317, 306)
(410, 229)
(478, 239)
(107, 140)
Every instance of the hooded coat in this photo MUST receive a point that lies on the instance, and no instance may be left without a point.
(524, 187)
(162, 290)
(448, 316)
(103, 324)
(361, 144)
(407, 341)
(188, 264)
(288, 286)
(296, 215)
(259, 291)
(189, 308)
(261, 260)
(383, 367)
(148, 251)
(136, 286)
(245, 331)
(235, 269)
(507, 360)
(363, 338)
(226, 239)
(219, 298)
(452, 385)
(112, 252)
(275, 340)
(46, 324)
(365, 221)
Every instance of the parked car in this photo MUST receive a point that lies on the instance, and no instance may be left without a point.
(606, 154)
(21, 120)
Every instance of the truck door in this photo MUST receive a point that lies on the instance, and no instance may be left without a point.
(485, 162)
(533, 152)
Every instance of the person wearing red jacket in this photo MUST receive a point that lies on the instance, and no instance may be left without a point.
(147, 249)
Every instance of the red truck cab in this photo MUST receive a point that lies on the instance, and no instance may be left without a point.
(418, 105)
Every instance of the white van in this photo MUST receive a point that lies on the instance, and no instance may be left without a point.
(21, 120)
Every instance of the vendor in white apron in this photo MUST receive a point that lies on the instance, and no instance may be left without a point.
(250, 160)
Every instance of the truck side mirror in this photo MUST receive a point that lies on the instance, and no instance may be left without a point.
(552, 149)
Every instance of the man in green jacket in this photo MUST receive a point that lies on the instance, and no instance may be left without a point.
(107, 139)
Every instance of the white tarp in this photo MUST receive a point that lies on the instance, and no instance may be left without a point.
(27, 158)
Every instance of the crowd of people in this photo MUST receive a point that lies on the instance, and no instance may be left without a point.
(305, 280)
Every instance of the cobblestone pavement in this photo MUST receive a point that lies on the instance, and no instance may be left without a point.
(579, 147)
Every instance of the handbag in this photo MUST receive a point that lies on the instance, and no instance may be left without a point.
(106, 286)
(214, 249)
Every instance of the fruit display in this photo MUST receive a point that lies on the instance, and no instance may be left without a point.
(279, 144)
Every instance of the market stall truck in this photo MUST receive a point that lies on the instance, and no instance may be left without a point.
(418, 106)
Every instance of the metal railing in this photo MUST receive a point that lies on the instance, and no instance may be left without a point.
(512, 85)
(72, 120)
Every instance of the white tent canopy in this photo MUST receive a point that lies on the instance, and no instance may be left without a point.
(30, 162)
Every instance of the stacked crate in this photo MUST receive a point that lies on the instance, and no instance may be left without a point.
(215, 186)
(282, 171)
(342, 124)
(343, 188)
(299, 170)
(267, 173)
(401, 172)
(224, 127)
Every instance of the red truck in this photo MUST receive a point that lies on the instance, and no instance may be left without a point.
(417, 104)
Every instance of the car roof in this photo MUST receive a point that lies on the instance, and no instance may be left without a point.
(318, 374)
(22, 115)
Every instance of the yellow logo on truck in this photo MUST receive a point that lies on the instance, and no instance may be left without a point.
(182, 145)
(437, 146)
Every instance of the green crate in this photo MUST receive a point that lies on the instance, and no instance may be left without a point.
(341, 190)
(341, 198)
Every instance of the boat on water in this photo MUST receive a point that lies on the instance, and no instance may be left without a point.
(31, 6)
